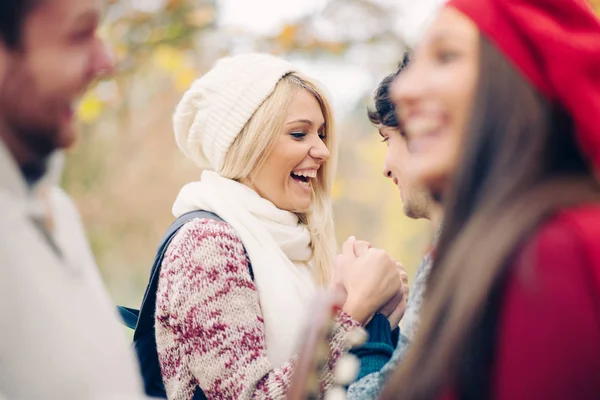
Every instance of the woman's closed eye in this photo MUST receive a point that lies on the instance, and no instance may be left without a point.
(299, 135)
(446, 56)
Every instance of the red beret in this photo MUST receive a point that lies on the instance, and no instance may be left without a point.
(556, 46)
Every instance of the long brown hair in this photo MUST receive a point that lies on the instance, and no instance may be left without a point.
(520, 165)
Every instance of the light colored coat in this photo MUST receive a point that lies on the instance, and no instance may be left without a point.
(59, 333)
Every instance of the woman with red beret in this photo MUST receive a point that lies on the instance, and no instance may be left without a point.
(501, 106)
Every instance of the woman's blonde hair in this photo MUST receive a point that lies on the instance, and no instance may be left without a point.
(254, 144)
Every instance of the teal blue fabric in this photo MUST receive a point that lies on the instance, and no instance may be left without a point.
(369, 386)
(378, 349)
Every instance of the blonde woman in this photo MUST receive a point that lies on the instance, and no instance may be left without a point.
(232, 295)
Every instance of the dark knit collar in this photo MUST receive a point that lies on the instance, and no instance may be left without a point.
(33, 172)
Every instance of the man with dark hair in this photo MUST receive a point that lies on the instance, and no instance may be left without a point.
(60, 335)
(417, 204)
(415, 200)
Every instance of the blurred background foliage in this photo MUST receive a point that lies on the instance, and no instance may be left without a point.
(126, 170)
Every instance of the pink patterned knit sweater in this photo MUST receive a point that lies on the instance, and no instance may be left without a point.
(209, 325)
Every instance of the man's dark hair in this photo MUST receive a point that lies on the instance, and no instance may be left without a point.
(384, 113)
(12, 17)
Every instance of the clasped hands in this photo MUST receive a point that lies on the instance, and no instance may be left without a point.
(370, 281)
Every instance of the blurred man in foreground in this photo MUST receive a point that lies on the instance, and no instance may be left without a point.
(60, 335)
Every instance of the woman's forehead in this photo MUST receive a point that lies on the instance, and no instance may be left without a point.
(450, 25)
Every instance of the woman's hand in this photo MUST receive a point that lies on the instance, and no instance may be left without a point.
(370, 279)
(337, 285)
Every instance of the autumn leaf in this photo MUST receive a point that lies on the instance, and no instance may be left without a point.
(287, 36)
(173, 4)
(168, 58)
(337, 189)
(120, 50)
(334, 47)
(184, 78)
(200, 17)
(90, 108)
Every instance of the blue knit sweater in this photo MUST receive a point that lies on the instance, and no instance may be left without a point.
(378, 349)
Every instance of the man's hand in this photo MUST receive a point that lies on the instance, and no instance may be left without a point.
(395, 308)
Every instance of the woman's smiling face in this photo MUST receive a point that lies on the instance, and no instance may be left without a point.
(286, 177)
(434, 97)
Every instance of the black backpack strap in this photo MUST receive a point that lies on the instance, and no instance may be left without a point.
(144, 338)
(129, 315)
(147, 309)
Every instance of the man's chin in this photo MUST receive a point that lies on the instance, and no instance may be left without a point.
(41, 143)
(409, 211)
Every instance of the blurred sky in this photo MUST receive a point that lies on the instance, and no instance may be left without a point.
(267, 16)
(346, 82)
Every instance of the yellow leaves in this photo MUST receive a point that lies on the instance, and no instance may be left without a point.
(184, 78)
(120, 50)
(201, 16)
(293, 37)
(168, 59)
(176, 64)
(173, 4)
(334, 47)
(287, 36)
(90, 108)
(337, 188)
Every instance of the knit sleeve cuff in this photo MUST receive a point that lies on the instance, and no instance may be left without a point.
(378, 349)
(346, 322)
(379, 330)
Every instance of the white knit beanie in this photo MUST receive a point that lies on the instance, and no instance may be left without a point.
(218, 105)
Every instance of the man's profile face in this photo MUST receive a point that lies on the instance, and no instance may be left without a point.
(59, 55)
(395, 166)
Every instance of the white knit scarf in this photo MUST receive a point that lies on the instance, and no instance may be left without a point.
(277, 244)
